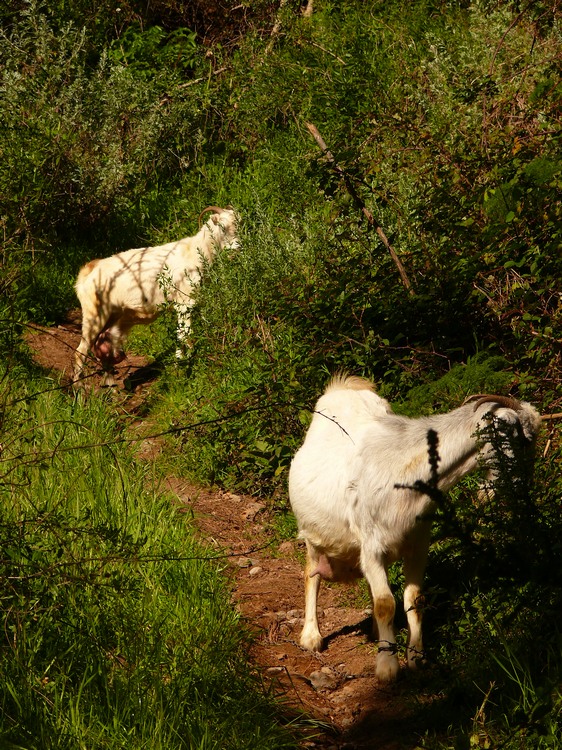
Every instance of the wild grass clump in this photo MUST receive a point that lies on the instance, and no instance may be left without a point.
(117, 627)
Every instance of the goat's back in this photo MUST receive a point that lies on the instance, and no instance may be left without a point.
(142, 277)
(320, 470)
(341, 416)
(346, 406)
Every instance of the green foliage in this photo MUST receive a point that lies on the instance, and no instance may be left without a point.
(146, 51)
(497, 558)
(87, 146)
(481, 374)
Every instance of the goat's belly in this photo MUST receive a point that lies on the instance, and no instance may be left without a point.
(132, 317)
(339, 567)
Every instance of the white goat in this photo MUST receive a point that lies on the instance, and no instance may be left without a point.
(128, 289)
(354, 487)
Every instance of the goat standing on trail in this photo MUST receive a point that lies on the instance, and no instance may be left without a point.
(357, 485)
(127, 289)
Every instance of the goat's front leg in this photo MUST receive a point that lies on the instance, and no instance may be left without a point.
(90, 330)
(183, 329)
(310, 636)
(415, 557)
(80, 359)
(384, 606)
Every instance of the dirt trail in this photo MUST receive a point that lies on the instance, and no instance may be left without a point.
(337, 687)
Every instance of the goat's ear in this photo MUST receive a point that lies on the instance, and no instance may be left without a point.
(530, 422)
(526, 417)
(521, 423)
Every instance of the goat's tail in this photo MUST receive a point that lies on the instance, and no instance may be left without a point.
(85, 271)
(341, 381)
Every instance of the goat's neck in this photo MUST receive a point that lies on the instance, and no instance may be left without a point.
(205, 242)
(457, 446)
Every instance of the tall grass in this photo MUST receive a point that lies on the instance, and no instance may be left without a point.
(117, 629)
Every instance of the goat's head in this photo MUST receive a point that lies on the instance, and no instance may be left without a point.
(522, 422)
(223, 225)
(511, 410)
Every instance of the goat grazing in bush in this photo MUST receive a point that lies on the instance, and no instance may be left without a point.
(360, 487)
(127, 289)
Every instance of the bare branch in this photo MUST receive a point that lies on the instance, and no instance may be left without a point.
(361, 206)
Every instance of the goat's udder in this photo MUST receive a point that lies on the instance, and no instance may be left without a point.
(105, 351)
(323, 569)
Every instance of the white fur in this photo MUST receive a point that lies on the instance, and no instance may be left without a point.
(351, 489)
(128, 288)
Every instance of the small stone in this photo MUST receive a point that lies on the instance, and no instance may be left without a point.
(252, 511)
(244, 562)
(286, 548)
(232, 498)
(339, 698)
(255, 570)
(323, 679)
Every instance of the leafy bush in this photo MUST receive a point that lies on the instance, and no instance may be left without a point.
(88, 146)
(497, 560)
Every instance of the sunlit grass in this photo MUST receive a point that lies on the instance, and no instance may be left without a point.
(117, 626)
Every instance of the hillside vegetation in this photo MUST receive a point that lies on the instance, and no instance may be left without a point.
(117, 126)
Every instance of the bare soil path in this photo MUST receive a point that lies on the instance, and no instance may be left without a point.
(337, 687)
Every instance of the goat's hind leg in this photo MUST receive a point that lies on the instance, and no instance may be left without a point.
(80, 360)
(384, 606)
(414, 567)
(94, 322)
(310, 636)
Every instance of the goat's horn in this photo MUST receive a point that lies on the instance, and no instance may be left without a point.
(485, 398)
(474, 397)
(214, 209)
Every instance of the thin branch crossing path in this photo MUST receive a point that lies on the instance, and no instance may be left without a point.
(360, 204)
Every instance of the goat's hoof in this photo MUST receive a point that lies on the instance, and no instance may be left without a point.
(311, 641)
(416, 659)
(387, 668)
